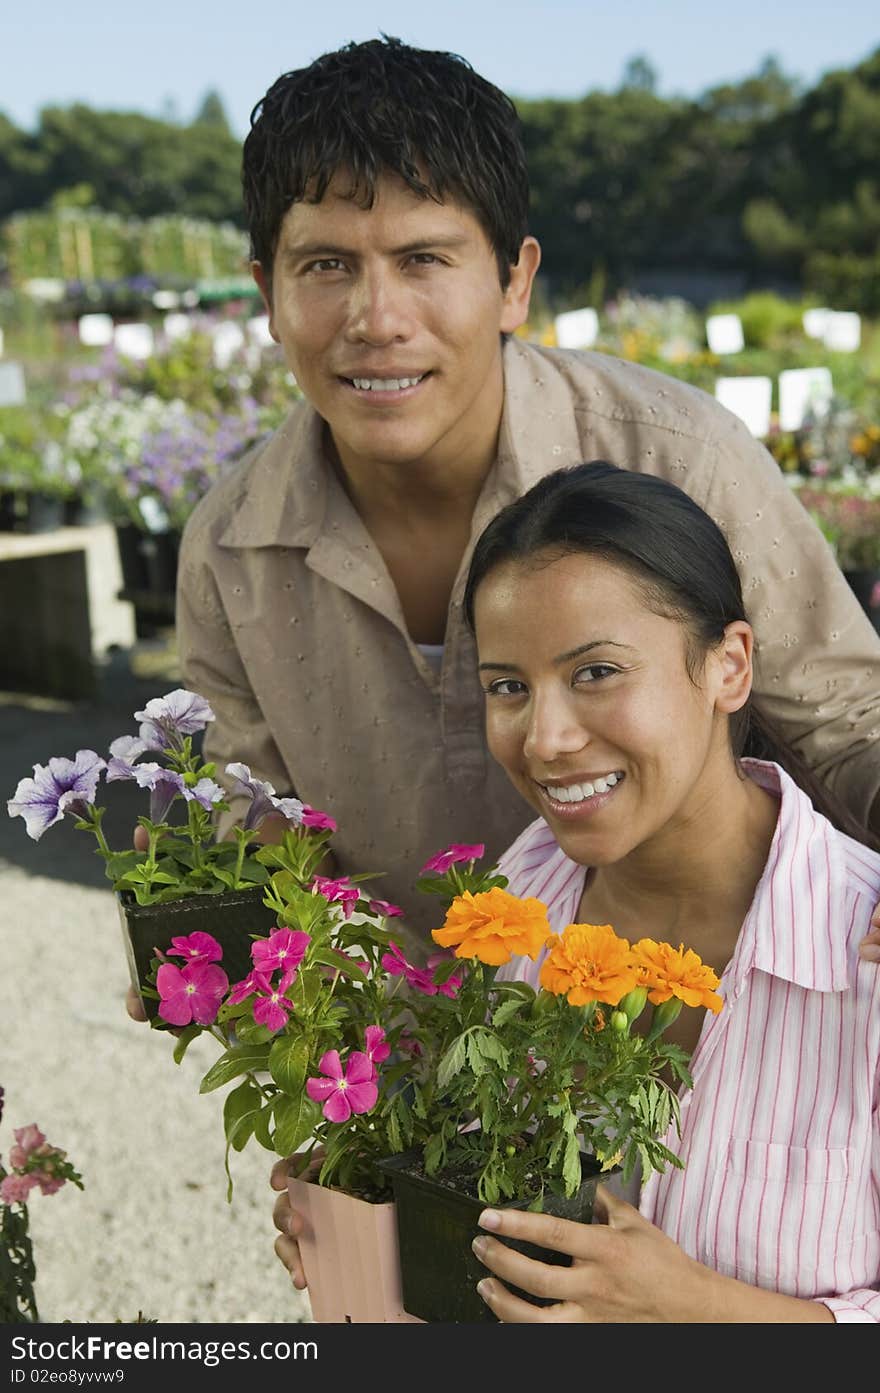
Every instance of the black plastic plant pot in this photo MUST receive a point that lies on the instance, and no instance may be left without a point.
(232, 917)
(436, 1224)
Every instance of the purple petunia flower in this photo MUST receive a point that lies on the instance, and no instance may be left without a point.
(167, 719)
(62, 786)
(263, 799)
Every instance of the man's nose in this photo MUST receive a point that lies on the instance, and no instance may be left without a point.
(379, 308)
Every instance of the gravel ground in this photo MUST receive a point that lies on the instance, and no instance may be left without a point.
(152, 1231)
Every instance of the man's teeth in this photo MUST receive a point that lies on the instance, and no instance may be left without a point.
(384, 384)
(577, 793)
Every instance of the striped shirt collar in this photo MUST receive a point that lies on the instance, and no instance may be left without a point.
(796, 927)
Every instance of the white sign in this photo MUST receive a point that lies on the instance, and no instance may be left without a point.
(815, 321)
(843, 332)
(45, 288)
(166, 299)
(12, 392)
(576, 328)
(724, 334)
(258, 331)
(803, 391)
(177, 326)
(749, 398)
(96, 329)
(228, 340)
(133, 340)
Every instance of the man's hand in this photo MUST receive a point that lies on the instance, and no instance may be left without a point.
(286, 1219)
(869, 948)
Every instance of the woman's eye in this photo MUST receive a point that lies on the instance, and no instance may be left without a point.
(505, 686)
(594, 672)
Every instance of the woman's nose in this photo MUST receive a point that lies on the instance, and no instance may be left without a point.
(554, 729)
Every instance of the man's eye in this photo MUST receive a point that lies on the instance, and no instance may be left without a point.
(425, 258)
(327, 263)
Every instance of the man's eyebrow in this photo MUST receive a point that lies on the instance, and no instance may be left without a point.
(579, 652)
(447, 242)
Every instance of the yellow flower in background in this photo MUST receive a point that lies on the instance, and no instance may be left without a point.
(494, 926)
(678, 972)
(589, 962)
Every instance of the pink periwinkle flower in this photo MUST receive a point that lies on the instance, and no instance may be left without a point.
(459, 851)
(339, 891)
(283, 950)
(14, 1189)
(451, 985)
(383, 907)
(316, 821)
(342, 1093)
(398, 965)
(408, 1044)
(272, 1007)
(196, 947)
(376, 1047)
(254, 982)
(191, 993)
(49, 1184)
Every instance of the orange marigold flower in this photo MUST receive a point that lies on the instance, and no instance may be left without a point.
(589, 962)
(494, 926)
(679, 972)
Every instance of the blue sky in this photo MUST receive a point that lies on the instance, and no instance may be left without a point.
(162, 56)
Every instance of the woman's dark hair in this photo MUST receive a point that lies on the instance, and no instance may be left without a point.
(371, 108)
(679, 555)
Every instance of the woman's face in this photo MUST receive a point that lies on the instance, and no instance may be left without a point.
(590, 708)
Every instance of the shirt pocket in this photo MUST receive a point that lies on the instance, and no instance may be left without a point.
(783, 1217)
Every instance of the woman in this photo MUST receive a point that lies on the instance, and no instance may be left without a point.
(616, 660)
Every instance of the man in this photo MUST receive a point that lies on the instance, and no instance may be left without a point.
(320, 585)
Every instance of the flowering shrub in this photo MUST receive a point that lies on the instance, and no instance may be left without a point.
(848, 514)
(33, 1165)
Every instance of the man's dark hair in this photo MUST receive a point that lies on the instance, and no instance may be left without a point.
(371, 108)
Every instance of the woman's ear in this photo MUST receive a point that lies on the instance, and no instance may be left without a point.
(734, 674)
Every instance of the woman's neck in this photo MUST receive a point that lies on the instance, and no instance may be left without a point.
(695, 881)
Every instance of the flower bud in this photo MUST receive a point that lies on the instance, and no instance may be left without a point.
(633, 1004)
(619, 1022)
(664, 1015)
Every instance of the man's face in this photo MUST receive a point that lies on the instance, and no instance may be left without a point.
(390, 320)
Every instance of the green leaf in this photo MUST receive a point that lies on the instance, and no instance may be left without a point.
(184, 1040)
(241, 1059)
(295, 1121)
(571, 1166)
(328, 958)
(262, 1123)
(306, 989)
(239, 1113)
(508, 1008)
(394, 1140)
(452, 1062)
(289, 1063)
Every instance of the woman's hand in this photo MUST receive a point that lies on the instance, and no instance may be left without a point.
(288, 1220)
(624, 1269)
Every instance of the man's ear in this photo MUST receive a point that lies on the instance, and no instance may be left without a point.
(734, 674)
(264, 285)
(515, 310)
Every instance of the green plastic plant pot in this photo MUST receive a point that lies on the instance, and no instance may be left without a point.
(436, 1224)
(232, 917)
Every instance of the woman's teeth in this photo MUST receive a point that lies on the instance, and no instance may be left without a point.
(578, 793)
(385, 384)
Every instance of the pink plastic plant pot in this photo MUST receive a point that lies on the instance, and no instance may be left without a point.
(349, 1251)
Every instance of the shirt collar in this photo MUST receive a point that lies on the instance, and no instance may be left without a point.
(291, 488)
(796, 926)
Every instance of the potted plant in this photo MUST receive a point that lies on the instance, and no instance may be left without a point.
(185, 880)
(534, 1096)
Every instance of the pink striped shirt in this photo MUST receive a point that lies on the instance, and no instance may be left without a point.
(781, 1131)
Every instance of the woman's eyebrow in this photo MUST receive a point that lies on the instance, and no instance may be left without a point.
(578, 652)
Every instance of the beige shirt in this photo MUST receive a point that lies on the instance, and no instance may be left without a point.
(290, 626)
